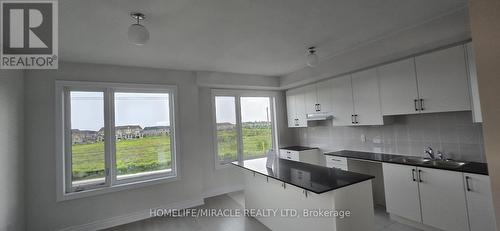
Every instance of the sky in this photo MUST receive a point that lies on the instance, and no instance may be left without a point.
(143, 109)
(252, 109)
(151, 109)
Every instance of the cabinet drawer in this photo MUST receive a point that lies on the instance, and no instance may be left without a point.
(336, 162)
(289, 155)
(337, 159)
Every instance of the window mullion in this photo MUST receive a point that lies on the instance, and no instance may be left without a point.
(239, 129)
(109, 134)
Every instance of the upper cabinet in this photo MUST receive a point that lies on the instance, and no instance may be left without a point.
(366, 96)
(433, 82)
(442, 81)
(342, 102)
(318, 97)
(474, 89)
(296, 107)
(398, 88)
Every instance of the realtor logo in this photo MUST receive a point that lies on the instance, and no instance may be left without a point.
(29, 35)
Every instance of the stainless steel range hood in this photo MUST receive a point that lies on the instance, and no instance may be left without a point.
(319, 116)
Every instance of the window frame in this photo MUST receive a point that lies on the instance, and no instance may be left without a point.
(238, 94)
(65, 189)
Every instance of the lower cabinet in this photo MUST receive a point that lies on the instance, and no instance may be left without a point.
(401, 191)
(442, 199)
(336, 162)
(479, 202)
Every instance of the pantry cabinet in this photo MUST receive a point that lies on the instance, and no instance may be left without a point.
(474, 88)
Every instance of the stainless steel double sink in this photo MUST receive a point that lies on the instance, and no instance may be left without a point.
(429, 162)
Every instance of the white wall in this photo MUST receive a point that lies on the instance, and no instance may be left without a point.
(11, 151)
(240, 81)
(198, 175)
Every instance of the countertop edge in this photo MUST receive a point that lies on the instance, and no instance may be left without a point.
(461, 169)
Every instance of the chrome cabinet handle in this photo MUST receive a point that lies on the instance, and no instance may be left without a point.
(356, 119)
(415, 103)
(319, 107)
(467, 178)
(420, 176)
(422, 105)
(352, 119)
(413, 174)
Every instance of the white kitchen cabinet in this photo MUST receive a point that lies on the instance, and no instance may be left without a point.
(318, 97)
(296, 111)
(442, 199)
(479, 202)
(474, 89)
(442, 81)
(324, 93)
(311, 98)
(398, 88)
(401, 191)
(342, 101)
(366, 98)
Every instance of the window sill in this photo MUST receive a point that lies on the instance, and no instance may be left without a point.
(116, 188)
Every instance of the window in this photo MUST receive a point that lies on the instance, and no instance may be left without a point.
(244, 125)
(114, 136)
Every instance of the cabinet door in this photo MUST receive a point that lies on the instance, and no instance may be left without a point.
(290, 108)
(324, 93)
(442, 80)
(300, 107)
(479, 203)
(442, 199)
(311, 99)
(401, 191)
(398, 88)
(366, 95)
(474, 89)
(342, 103)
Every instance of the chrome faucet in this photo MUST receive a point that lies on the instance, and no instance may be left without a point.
(429, 151)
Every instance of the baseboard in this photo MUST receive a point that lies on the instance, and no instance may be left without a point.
(224, 190)
(131, 217)
(413, 224)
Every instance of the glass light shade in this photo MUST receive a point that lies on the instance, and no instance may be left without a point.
(138, 34)
(312, 60)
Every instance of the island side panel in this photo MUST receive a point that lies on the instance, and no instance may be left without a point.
(263, 194)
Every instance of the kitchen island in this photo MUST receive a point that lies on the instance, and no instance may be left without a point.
(291, 195)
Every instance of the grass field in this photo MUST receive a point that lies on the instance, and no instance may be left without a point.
(153, 153)
(256, 142)
(132, 156)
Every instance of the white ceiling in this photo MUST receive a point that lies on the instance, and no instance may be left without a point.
(264, 37)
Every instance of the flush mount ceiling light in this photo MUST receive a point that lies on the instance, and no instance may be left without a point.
(137, 33)
(312, 57)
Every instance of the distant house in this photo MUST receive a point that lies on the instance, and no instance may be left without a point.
(156, 131)
(225, 126)
(128, 132)
(83, 136)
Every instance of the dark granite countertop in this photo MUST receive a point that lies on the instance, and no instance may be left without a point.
(298, 148)
(469, 167)
(314, 178)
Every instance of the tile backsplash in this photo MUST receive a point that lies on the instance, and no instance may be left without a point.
(452, 133)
